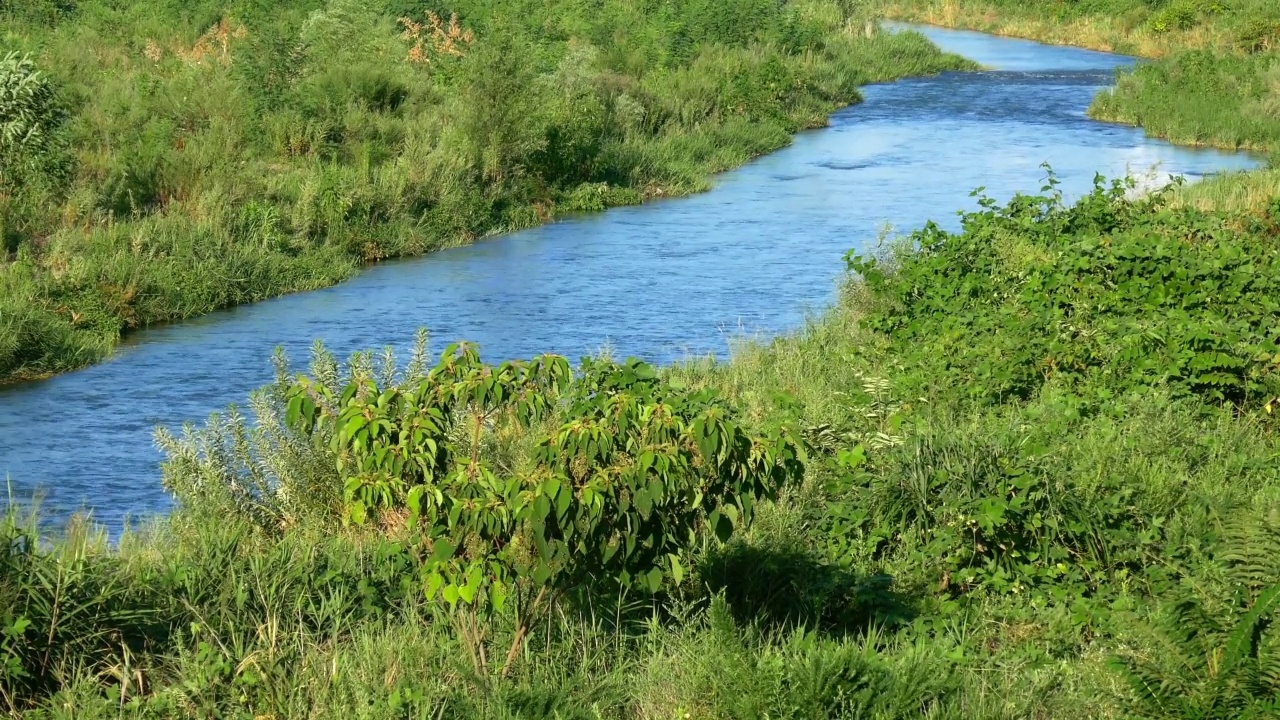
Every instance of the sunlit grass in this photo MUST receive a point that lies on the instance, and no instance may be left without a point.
(223, 157)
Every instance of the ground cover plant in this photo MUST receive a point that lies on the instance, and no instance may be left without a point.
(161, 160)
(1027, 470)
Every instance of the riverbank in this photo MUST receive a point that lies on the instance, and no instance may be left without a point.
(1126, 27)
(1039, 481)
(190, 159)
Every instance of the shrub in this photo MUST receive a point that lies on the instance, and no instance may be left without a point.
(1180, 15)
(616, 494)
(1113, 293)
(1259, 35)
(31, 121)
(520, 482)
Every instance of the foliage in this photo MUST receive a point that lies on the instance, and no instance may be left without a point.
(31, 123)
(615, 494)
(64, 611)
(1201, 97)
(1111, 291)
(282, 147)
(988, 514)
(1219, 655)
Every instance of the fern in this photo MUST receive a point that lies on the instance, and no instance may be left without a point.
(1216, 654)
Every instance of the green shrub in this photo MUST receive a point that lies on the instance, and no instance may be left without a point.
(31, 124)
(616, 493)
(1259, 35)
(1093, 293)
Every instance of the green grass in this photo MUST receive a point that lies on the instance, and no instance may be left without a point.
(1201, 97)
(1040, 483)
(184, 157)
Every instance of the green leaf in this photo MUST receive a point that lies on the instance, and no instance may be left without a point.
(434, 581)
(677, 570)
(541, 573)
(357, 512)
(441, 551)
(653, 579)
(563, 500)
(498, 594)
(643, 503)
(723, 528)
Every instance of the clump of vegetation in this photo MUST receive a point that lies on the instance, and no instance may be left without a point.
(1025, 469)
(177, 158)
(1202, 97)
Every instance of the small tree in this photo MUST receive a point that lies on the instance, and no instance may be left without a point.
(622, 470)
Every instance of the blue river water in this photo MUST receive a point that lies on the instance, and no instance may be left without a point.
(660, 281)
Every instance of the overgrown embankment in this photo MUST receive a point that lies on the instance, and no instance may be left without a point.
(1026, 470)
(162, 160)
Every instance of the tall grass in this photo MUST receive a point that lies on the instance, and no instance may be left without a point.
(193, 157)
(1201, 97)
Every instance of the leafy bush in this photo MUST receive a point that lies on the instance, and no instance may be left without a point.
(616, 494)
(521, 482)
(1180, 15)
(1112, 292)
(31, 123)
(987, 513)
(1259, 35)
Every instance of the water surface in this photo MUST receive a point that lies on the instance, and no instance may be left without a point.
(659, 281)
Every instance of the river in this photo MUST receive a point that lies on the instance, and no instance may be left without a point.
(660, 281)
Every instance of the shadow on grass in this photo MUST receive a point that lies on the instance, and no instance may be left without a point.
(783, 587)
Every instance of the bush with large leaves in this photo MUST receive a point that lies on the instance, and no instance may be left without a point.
(525, 480)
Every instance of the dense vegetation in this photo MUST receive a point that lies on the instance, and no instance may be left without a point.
(159, 160)
(1023, 470)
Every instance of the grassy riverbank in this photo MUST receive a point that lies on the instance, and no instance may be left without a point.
(162, 160)
(1040, 481)
(1146, 28)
